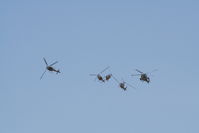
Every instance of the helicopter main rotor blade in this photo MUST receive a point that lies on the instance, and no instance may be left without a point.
(105, 69)
(154, 70)
(138, 71)
(130, 85)
(54, 63)
(116, 79)
(136, 74)
(42, 75)
(93, 74)
(45, 62)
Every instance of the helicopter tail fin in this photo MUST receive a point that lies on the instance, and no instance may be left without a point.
(58, 71)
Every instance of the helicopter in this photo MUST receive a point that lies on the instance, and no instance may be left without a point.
(123, 84)
(107, 77)
(143, 76)
(99, 76)
(49, 68)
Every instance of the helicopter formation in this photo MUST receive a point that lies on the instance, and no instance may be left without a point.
(104, 78)
(123, 85)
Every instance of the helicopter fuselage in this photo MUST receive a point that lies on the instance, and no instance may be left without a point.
(122, 85)
(144, 77)
(49, 68)
(100, 78)
(108, 77)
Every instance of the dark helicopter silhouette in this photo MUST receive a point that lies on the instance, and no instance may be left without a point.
(99, 75)
(123, 84)
(143, 76)
(107, 77)
(49, 68)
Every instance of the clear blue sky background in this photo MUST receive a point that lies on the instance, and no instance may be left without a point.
(85, 37)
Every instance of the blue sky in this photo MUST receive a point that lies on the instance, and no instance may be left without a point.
(85, 37)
